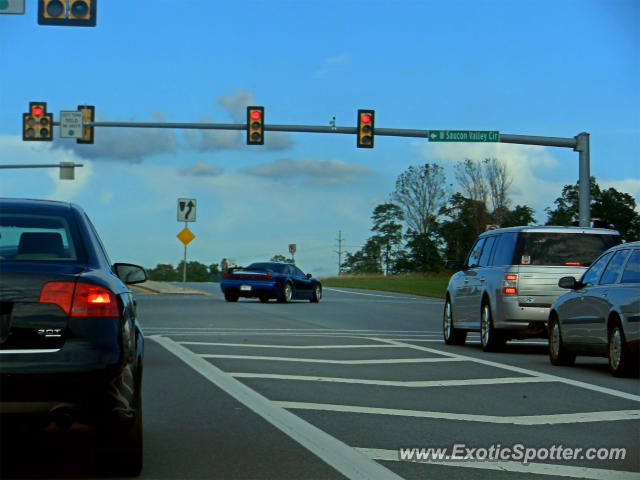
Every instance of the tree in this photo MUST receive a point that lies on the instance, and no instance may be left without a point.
(520, 215)
(498, 183)
(385, 221)
(163, 272)
(196, 271)
(282, 258)
(421, 191)
(610, 206)
(422, 255)
(365, 260)
(468, 218)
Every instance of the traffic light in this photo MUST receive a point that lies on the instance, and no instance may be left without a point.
(88, 115)
(255, 125)
(37, 124)
(365, 128)
(78, 13)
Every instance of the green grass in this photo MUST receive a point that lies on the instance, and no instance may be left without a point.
(428, 285)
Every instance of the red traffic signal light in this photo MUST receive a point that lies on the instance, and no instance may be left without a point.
(37, 125)
(255, 125)
(366, 128)
(78, 13)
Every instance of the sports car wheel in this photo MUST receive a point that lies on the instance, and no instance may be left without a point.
(558, 353)
(452, 335)
(286, 294)
(317, 294)
(230, 297)
(489, 338)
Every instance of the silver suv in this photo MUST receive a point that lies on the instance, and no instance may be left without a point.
(510, 279)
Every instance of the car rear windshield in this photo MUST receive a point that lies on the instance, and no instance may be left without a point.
(274, 267)
(562, 249)
(26, 237)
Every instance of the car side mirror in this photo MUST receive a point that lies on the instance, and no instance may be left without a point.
(129, 273)
(309, 275)
(567, 282)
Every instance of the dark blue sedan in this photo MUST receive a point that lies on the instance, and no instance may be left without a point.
(265, 280)
(71, 347)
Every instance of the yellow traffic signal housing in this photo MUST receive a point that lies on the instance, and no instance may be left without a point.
(255, 125)
(88, 115)
(365, 128)
(37, 125)
(78, 13)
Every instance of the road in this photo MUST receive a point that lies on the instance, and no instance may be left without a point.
(335, 389)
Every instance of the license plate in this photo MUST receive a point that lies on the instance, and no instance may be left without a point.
(245, 288)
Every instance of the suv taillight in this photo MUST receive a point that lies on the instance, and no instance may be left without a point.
(510, 284)
(85, 300)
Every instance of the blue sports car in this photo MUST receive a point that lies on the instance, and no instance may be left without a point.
(265, 280)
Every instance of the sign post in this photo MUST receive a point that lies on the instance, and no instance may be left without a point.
(292, 251)
(186, 213)
(70, 124)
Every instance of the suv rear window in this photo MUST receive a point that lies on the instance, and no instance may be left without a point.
(562, 249)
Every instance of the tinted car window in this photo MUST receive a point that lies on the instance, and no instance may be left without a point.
(592, 275)
(26, 237)
(274, 267)
(486, 251)
(632, 270)
(474, 255)
(504, 249)
(554, 248)
(612, 272)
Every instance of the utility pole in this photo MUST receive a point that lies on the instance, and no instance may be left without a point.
(339, 252)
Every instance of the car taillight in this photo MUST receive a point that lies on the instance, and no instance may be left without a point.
(58, 293)
(269, 276)
(227, 274)
(510, 284)
(86, 301)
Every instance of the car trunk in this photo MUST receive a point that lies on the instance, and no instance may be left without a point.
(26, 323)
(538, 285)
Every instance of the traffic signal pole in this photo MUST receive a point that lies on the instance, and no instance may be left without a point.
(579, 143)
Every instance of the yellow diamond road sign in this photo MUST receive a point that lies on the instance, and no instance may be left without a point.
(185, 236)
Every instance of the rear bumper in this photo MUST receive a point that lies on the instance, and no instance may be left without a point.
(524, 321)
(251, 289)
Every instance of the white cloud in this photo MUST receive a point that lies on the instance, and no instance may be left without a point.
(318, 172)
(201, 169)
(332, 64)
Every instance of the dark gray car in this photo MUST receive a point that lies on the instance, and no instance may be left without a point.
(600, 316)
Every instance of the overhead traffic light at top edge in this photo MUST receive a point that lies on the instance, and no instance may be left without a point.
(37, 125)
(255, 125)
(366, 128)
(77, 13)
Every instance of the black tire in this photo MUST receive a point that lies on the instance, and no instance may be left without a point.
(558, 353)
(452, 335)
(230, 297)
(119, 451)
(490, 339)
(287, 293)
(621, 362)
(317, 294)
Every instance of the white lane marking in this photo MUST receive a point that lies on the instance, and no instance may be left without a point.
(321, 330)
(332, 451)
(394, 383)
(524, 371)
(331, 361)
(378, 295)
(556, 470)
(552, 419)
(301, 347)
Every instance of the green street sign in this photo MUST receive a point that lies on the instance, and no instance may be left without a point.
(464, 136)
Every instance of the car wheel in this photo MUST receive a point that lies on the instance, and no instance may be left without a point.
(317, 294)
(230, 297)
(119, 451)
(621, 362)
(286, 294)
(264, 298)
(452, 335)
(489, 338)
(558, 353)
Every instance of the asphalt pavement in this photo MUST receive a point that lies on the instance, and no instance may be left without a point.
(347, 387)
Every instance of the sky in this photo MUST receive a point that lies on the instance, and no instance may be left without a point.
(546, 68)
